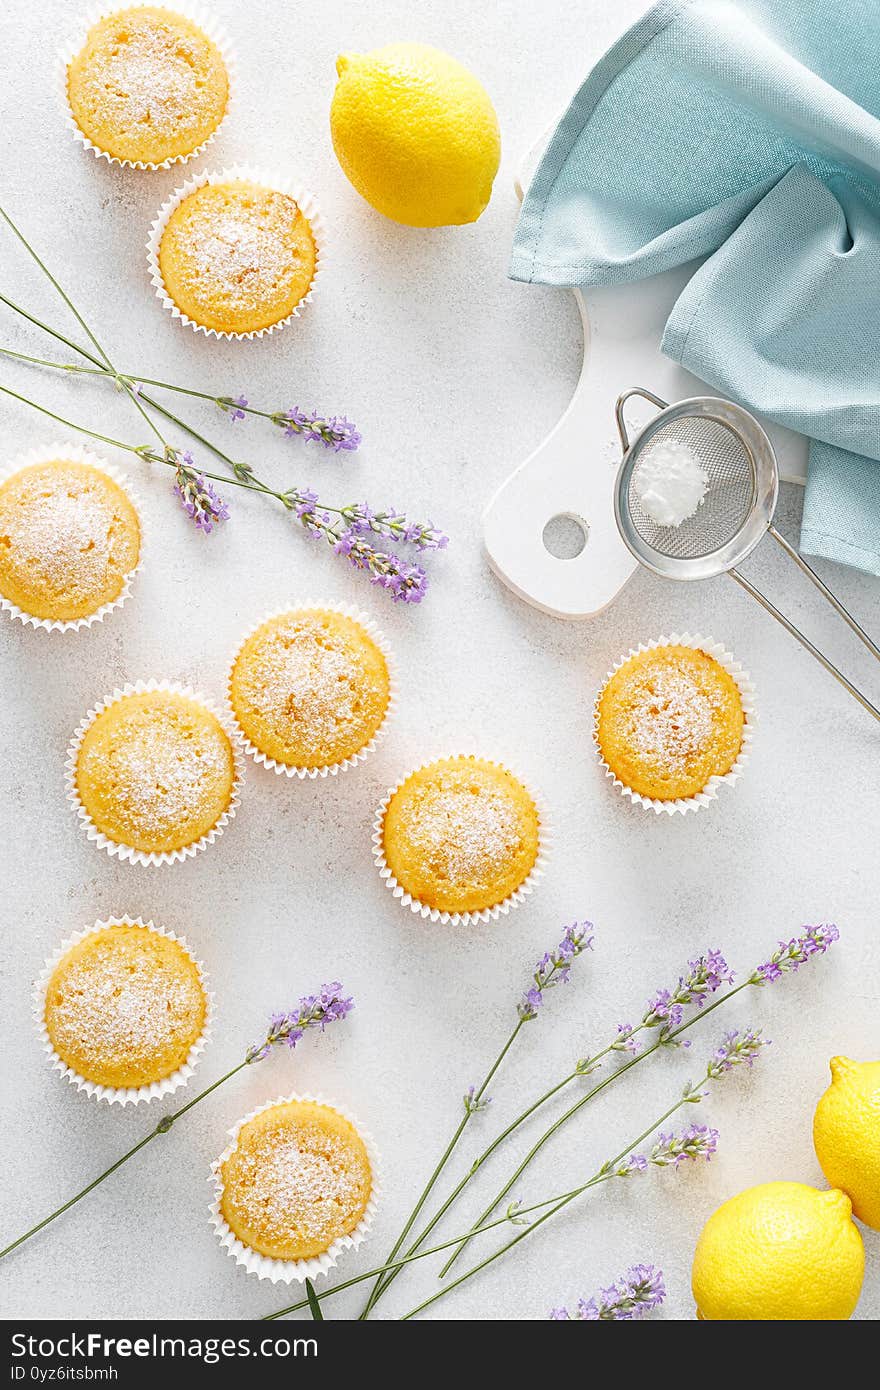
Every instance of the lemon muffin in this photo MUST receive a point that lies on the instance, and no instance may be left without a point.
(461, 834)
(155, 771)
(125, 1005)
(148, 86)
(309, 688)
(669, 720)
(236, 256)
(298, 1179)
(69, 539)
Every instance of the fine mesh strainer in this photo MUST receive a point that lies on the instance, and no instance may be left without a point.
(736, 512)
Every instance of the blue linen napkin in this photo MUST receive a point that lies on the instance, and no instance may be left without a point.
(747, 133)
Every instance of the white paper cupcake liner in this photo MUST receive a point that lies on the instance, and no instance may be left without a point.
(331, 769)
(681, 805)
(292, 1271)
(194, 12)
(76, 454)
(486, 914)
(304, 200)
(122, 1095)
(128, 853)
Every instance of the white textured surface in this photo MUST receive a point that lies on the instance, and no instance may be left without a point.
(453, 374)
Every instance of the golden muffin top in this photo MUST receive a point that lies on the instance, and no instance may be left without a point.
(147, 85)
(668, 720)
(69, 539)
(237, 257)
(461, 834)
(310, 688)
(155, 771)
(298, 1179)
(124, 1006)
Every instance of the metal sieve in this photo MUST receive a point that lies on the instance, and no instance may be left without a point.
(735, 514)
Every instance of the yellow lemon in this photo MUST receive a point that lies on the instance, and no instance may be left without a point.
(781, 1252)
(846, 1135)
(416, 134)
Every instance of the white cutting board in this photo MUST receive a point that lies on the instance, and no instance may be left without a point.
(572, 472)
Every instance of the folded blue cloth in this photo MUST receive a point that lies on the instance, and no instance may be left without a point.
(746, 133)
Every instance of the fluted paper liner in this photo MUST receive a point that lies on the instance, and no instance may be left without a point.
(194, 12)
(76, 454)
(330, 769)
(292, 1271)
(276, 183)
(127, 852)
(486, 914)
(122, 1095)
(709, 793)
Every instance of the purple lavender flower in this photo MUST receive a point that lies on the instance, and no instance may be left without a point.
(671, 1150)
(554, 968)
(790, 955)
(665, 1010)
(625, 1041)
(334, 431)
(736, 1049)
(363, 520)
(235, 406)
(197, 496)
(313, 1011)
(633, 1163)
(473, 1103)
(641, 1289)
(405, 583)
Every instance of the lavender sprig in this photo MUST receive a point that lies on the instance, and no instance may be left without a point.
(329, 1005)
(361, 520)
(236, 407)
(736, 1049)
(313, 1011)
(334, 432)
(791, 955)
(639, 1291)
(198, 497)
(669, 1150)
(705, 975)
(554, 968)
(474, 1102)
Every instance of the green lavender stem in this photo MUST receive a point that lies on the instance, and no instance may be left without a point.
(527, 1113)
(162, 1127)
(142, 451)
(688, 1097)
(555, 1203)
(574, 1109)
(130, 378)
(81, 321)
(380, 1285)
(404, 1260)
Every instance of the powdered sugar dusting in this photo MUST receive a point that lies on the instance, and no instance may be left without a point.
(123, 1001)
(298, 1182)
(466, 835)
(311, 683)
(244, 247)
(147, 74)
(163, 770)
(62, 532)
(671, 716)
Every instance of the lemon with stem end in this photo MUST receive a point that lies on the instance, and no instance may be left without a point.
(781, 1252)
(846, 1135)
(416, 134)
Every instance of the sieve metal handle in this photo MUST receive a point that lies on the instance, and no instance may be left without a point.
(621, 402)
(805, 642)
(824, 589)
